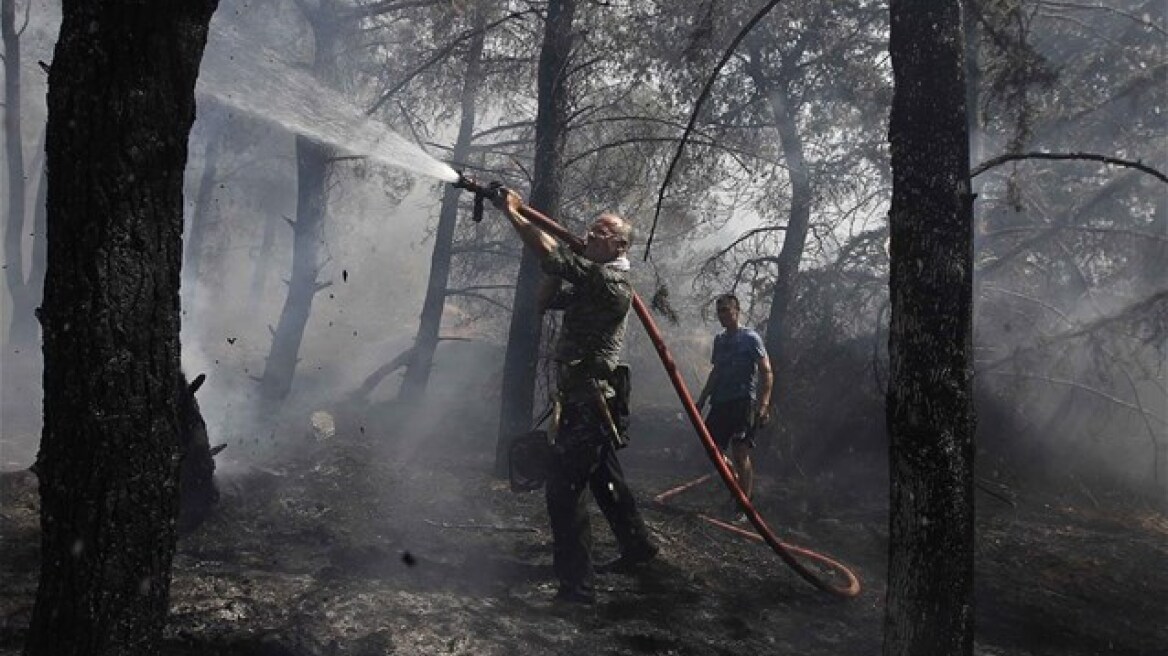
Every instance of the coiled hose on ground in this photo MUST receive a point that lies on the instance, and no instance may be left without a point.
(787, 552)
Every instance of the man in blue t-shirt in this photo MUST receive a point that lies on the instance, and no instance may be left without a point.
(739, 399)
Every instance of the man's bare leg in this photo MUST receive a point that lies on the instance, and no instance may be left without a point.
(743, 467)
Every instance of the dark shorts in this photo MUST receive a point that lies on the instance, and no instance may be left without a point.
(731, 421)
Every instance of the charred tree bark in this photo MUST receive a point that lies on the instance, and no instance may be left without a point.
(417, 375)
(121, 104)
(312, 167)
(197, 492)
(551, 123)
(930, 392)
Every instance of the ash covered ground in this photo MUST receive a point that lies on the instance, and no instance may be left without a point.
(375, 542)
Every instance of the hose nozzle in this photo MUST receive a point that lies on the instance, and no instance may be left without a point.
(490, 191)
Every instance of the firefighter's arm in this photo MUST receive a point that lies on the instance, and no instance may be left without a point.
(534, 238)
(766, 381)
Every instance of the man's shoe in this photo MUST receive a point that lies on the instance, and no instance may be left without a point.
(575, 595)
(627, 562)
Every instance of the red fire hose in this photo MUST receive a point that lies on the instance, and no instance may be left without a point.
(784, 550)
(787, 552)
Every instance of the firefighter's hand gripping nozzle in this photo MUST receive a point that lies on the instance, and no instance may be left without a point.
(490, 191)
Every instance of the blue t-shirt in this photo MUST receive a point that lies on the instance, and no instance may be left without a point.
(735, 359)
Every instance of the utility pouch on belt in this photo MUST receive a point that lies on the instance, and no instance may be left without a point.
(529, 461)
(622, 384)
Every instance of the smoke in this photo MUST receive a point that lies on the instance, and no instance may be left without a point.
(263, 84)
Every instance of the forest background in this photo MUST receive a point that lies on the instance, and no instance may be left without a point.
(316, 279)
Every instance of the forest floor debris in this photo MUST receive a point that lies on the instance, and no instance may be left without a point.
(355, 547)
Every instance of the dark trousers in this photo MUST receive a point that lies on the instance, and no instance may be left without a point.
(576, 466)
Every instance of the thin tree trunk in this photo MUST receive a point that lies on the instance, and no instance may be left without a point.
(22, 329)
(929, 608)
(121, 104)
(40, 239)
(259, 277)
(519, 364)
(778, 332)
(313, 169)
(201, 216)
(972, 84)
(312, 166)
(417, 375)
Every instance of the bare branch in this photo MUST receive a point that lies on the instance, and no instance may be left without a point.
(1133, 312)
(438, 56)
(481, 297)
(403, 359)
(747, 235)
(1037, 301)
(390, 6)
(502, 128)
(472, 288)
(753, 262)
(693, 117)
(27, 12)
(1081, 386)
(1106, 231)
(1100, 7)
(1091, 157)
(733, 152)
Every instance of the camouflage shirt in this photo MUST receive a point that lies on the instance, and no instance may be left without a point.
(596, 309)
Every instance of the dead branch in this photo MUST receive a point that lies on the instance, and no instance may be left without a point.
(1091, 157)
(519, 125)
(389, 6)
(1037, 301)
(481, 297)
(403, 359)
(734, 153)
(1086, 388)
(984, 487)
(747, 235)
(1106, 191)
(693, 117)
(463, 290)
(438, 56)
(754, 261)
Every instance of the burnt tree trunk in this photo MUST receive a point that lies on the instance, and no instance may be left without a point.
(312, 168)
(197, 491)
(314, 162)
(930, 416)
(121, 104)
(551, 122)
(417, 375)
